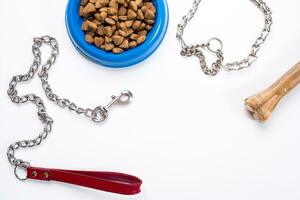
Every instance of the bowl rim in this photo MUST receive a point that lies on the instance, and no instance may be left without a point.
(127, 58)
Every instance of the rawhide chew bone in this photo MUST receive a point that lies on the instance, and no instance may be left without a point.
(262, 104)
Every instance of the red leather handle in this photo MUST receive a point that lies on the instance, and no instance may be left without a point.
(107, 181)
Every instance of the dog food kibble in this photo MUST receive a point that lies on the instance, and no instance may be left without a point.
(117, 25)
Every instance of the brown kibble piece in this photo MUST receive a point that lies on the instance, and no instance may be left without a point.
(139, 3)
(104, 9)
(98, 41)
(148, 27)
(129, 23)
(125, 4)
(97, 16)
(140, 14)
(117, 39)
(141, 39)
(133, 44)
(114, 28)
(133, 6)
(122, 11)
(108, 31)
(103, 3)
(108, 39)
(129, 32)
(126, 33)
(122, 33)
(136, 25)
(123, 26)
(134, 36)
(149, 5)
(109, 46)
(84, 2)
(98, 4)
(89, 26)
(100, 30)
(112, 11)
(103, 47)
(121, 2)
(149, 21)
(91, 33)
(97, 22)
(90, 8)
(144, 9)
(89, 38)
(125, 44)
(81, 11)
(85, 13)
(103, 15)
(117, 50)
(149, 14)
(131, 14)
(144, 32)
(84, 26)
(123, 18)
(115, 17)
(114, 4)
(110, 21)
(142, 27)
(116, 33)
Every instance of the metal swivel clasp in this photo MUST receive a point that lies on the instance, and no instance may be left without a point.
(101, 113)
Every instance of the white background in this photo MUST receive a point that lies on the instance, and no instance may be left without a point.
(186, 135)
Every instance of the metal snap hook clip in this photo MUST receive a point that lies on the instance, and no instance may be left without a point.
(100, 113)
(218, 44)
(125, 98)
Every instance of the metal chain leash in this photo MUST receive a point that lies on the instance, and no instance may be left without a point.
(196, 50)
(98, 114)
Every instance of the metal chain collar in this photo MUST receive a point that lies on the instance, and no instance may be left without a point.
(196, 50)
(98, 114)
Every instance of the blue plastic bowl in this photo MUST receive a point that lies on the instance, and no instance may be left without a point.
(127, 58)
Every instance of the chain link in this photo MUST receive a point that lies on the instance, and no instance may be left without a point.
(196, 50)
(98, 114)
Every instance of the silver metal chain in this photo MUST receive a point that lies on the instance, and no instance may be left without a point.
(196, 50)
(98, 114)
